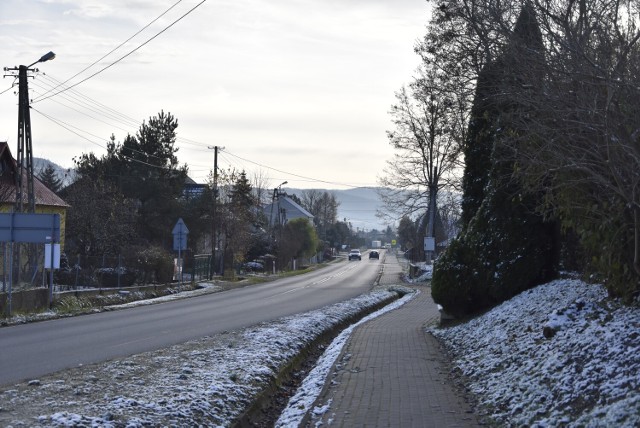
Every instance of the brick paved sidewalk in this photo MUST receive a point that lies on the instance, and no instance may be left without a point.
(391, 373)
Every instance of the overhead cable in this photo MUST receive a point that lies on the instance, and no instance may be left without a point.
(124, 56)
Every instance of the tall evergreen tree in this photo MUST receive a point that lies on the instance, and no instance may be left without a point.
(49, 177)
(237, 220)
(505, 246)
(479, 144)
(145, 169)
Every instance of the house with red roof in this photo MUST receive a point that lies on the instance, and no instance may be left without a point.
(46, 201)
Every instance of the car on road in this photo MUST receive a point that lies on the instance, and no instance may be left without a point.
(373, 254)
(253, 267)
(355, 255)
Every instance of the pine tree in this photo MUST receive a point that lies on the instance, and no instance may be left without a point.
(505, 246)
(238, 221)
(145, 169)
(479, 144)
(49, 177)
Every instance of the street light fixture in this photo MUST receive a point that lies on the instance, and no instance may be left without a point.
(46, 57)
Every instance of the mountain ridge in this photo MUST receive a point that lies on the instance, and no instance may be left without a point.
(357, 206)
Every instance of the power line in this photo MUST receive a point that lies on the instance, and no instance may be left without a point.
(296, 175)
(8, 89)
(116, 117)
(68, 128)
(127, 121)
(86, 100)
(126, 55)
(72, 129)
(98, 119)
(112, 50)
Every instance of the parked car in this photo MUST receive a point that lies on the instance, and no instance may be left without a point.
(355, 255)
(253, 266)
(373, 254)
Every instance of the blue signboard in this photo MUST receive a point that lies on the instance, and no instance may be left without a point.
(28, 227)
(180, 233)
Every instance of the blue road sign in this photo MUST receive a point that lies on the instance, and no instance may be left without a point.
(180, 232)
(28, 227)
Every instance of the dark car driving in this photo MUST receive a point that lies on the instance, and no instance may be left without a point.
(373, 254)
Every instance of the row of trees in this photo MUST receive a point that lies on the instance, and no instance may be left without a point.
(543, 101)
(127, 201)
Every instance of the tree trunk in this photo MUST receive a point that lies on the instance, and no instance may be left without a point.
(636, 239)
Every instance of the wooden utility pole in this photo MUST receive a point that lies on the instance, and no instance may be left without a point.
(213, 209)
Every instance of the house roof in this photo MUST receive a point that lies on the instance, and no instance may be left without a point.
(298, 207)
(8, 171)
(293, 210)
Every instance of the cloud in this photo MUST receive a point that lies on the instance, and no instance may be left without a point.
(233, 72)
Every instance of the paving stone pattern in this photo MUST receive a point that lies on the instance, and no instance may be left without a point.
(392, 373)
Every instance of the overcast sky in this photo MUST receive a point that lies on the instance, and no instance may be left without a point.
(295, 91)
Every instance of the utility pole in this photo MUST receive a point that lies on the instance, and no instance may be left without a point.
(214, 240)
(281, 215)
(24, 154)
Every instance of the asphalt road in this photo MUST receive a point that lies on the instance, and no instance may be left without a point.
(32, 350)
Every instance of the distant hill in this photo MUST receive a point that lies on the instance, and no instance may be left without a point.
(358, 206)
(67, 175)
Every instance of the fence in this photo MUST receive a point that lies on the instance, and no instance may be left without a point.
(114, 271)
(201, 267)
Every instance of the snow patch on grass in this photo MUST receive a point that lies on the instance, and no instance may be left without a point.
(584, 373)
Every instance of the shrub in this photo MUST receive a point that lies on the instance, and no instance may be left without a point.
(504, 250)
(455, 283)
(115, 277)
(154, 264)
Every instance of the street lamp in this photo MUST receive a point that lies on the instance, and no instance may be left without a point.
(46, 57)
(24, 155)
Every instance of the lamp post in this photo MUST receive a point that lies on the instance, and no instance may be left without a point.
(25, 149)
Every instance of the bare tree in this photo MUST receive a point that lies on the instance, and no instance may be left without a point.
(430, 119)
(261, 189)
(324, 207)
(578, 138)
(583, 151)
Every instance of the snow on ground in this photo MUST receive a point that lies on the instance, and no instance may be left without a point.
(209, 382)
(109, 302)
(425, 272)
(561, 354)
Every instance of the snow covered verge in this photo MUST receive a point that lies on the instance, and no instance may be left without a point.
(561, 354)
(209, 382)
(110, 302)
